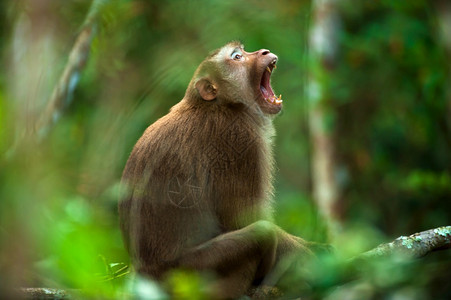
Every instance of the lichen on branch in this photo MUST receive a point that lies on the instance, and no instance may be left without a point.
(415, 245)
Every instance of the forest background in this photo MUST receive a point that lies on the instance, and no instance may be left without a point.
(378, 83)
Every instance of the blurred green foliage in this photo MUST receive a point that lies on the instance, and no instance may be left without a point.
(391, 99)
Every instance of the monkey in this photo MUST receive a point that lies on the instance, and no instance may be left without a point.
(200, 179)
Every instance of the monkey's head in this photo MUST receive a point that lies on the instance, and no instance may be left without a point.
(232, 75)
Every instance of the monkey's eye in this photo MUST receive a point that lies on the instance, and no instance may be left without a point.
(236, 55)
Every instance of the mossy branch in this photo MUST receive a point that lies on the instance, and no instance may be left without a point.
(415, 245)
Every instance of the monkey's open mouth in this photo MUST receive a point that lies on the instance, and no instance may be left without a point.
(265, 85)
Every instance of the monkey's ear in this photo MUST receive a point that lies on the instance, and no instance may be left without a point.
(206, 89)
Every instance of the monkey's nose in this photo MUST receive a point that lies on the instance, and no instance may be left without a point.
(264, 51)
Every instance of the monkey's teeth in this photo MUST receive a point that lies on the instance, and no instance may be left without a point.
(268, 69)
(274, 99)
(277, 100)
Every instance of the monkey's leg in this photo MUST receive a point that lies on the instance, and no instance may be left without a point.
(239, 257)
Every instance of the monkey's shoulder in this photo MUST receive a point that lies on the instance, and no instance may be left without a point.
(219, 138)
(184, 123)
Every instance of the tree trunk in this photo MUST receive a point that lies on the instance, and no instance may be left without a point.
(322, 58)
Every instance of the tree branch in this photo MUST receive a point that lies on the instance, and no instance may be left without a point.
(415, 245)
(63, 92)
(43, 293)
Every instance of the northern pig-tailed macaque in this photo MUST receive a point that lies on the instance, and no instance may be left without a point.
(200, 179)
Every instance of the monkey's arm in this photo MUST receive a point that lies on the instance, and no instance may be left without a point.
(253, 241)
(262, 242)
(242, 257)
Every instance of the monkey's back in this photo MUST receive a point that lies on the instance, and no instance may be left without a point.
(195, 173)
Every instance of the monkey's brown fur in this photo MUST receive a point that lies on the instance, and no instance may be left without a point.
(200, 179)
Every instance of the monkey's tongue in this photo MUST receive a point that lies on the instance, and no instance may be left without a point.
(267, 92)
